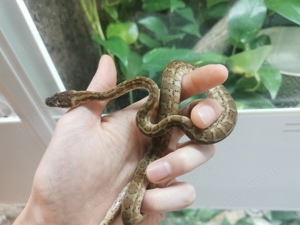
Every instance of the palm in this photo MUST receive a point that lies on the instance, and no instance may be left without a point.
(86, 157)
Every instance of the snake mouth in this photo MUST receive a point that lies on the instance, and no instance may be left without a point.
(61, 99)
(56, 101)
(51, 102)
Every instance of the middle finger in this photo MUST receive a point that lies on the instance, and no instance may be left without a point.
(186, 158)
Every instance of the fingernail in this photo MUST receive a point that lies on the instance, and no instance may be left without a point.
(206, 114)
(159, 170)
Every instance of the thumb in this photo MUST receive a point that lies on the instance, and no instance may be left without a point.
(103, 80)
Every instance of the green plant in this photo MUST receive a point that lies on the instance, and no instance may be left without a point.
(143, 36)
(223, 217)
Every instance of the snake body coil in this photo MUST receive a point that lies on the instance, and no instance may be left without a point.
(166, 101)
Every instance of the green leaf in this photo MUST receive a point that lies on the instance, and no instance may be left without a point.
(112, 12)
(113, 2)
(211, 58)
(247, 84)
(259, 41)
(156, 59)
(289, 9)
(188, 100)
(245, 221)
(158, 5)
(251, 100)
(271, 78)
(134, 65)
(155, 5)
(206, 215)
(127, 31)
(156, 25)
(245, 19)
(216, 11)
(268, 216)
(231, 81)
(191, 29)
(225, 222)
(284, 216)
(117, 46)
(220, 10)
(210, 3)
(176, 4)
(148, 41)
(249, 62)
(186, 13)
(285, 55)
(172, 37)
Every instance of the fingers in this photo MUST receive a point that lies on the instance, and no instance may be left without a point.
(200, 80)
(172, 198)
(203, 79)
(190, 155)
(202, 112)
(104, 79)
(176, 195)
(205, 113)
(179, 162)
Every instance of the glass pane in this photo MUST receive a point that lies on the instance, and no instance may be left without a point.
(260, 50)
(231, 217)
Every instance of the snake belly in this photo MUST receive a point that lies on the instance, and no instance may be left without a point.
(166, 101)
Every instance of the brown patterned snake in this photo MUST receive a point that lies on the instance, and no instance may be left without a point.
(131, 196)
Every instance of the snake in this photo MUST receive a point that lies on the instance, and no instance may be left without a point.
(164, 103)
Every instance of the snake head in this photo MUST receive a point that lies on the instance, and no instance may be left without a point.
(61, 99)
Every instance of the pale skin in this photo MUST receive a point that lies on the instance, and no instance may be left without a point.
(91, 158)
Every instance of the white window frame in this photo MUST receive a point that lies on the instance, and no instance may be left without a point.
(28, 74)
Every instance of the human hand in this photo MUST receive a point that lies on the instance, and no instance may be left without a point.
(91, 158)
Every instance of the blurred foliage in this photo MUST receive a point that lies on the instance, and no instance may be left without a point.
(221, 217)
(143, 36)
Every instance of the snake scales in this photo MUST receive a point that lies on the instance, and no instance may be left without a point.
(166, 101)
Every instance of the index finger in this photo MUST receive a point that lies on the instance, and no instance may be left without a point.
(203, 79)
